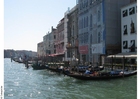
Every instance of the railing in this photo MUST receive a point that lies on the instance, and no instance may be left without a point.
(71, 46)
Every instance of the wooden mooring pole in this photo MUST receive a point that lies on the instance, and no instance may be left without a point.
(123, 65)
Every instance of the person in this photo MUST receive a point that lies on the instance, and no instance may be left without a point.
(66, 70)
(96, 73)
(87, 71)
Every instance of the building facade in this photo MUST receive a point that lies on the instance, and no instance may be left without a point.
(72, 34)
(94, 29)
(47, 41)
(129, 28)
(99, 28)
(53, 41)
(83, 29)
(40, 49)
(60, 40)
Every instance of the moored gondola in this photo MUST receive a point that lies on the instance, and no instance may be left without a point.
(101, 76)
(56, 69)
(39, 66)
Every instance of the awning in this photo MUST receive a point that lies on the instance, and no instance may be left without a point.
(52, 55)
(127, 55)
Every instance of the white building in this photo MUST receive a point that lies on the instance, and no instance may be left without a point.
(47, 41)
(129, 28)
(40, 49)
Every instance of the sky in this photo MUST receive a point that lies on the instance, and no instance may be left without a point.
(27, 21)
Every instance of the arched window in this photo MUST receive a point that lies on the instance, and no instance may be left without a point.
(87, 21)
(79, 24)
(91, 20)
(80, 6)
(86, 3)
(99, 15)
(90, 2)
(84, 22)
(87, 37)
(91, 39)
(73, 30)
(99, 37)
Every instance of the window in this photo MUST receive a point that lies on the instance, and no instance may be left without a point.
(125, 29)
(132, 43)
(131, 11)
(87, 21)
(84, 22)
(99, 15)
(125, 13)
(125, 44)
(132, 27)
(90, 2)
(86, 37)
(54, 51)
(91, 39)
(80, 6)
(99, 37)
(80, 41)
(83, 38)
(136, 9)
(54, 37)
(73, 31)
(132, 46)
(79, 24)
(86, 3)
(91, 20)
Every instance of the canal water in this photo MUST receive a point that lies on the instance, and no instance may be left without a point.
(22, 83)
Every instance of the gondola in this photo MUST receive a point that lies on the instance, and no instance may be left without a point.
(102, 76)
(82, 69)
(39, 66)
(55, 69)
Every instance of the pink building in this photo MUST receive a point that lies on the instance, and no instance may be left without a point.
(59, 42)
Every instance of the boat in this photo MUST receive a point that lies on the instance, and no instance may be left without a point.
(26, 65)
(56, 69)
(39, 66)
(101, 76)
(82, 69)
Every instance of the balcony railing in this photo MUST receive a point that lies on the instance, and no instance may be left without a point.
(68, 46)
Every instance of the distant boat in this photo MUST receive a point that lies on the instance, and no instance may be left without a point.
(19, 60)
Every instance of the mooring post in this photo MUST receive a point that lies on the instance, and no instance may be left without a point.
(123, 65)
(112, 63)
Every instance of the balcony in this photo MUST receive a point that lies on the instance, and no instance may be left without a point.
(70, 46)
(59, 42)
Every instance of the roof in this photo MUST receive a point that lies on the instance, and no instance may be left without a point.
(129, 4)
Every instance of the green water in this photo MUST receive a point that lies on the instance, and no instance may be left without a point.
(22, 83)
